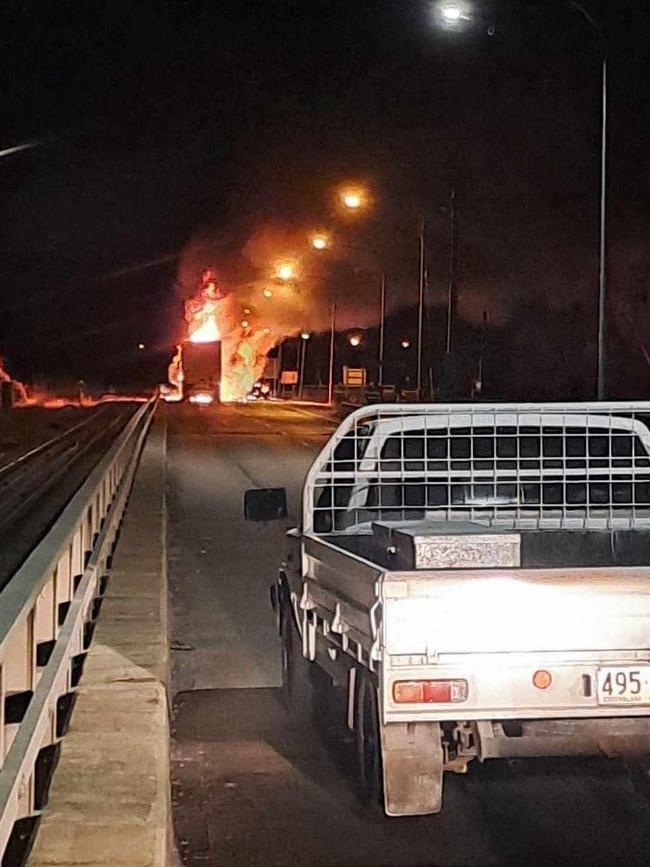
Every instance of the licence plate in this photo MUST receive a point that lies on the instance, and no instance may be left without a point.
(623, 685)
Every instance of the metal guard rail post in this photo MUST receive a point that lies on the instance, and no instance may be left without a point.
(47, 615)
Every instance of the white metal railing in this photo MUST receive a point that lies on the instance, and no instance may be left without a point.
(574, 465)
(47, 613)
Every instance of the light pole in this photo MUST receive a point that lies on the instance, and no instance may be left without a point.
(323, 241)
(305, 335)
(452, 16)
(330, 378)
(403, 369)
(354, 199)
(451, 277)
(382, 328)
(421, 292)
(602, 251)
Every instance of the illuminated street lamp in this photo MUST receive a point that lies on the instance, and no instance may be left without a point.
(286, 271)
(355, 340)
(267, 293)
(353, 198)
(245, 323)
(140, 345)
(405, 344)
(305, 335)
(320, 241)
(453, 14)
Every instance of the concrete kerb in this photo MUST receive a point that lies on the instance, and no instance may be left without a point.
(110, 800)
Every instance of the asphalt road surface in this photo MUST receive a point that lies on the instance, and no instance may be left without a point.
(249, 787)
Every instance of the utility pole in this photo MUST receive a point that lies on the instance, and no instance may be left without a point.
(382, 328)
(602, 247)
(421, 307)
(303, 340)
(330, 382)
(602, 270)
(451, 276)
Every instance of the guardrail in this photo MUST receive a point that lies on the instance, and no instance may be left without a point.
(47, 616)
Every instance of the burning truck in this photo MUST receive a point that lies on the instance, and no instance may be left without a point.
(229, 332)
(201, 366)
(223, 354)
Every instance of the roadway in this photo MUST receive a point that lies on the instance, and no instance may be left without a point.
(249, 788)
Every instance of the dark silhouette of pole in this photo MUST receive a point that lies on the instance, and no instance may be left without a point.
(330, 381)
(451, 275)
(382, 328)
(602, 249)
(602, 270)
(420, 308)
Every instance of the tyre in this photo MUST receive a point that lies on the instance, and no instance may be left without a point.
(638, 769)
(368, 743)
(297, 693)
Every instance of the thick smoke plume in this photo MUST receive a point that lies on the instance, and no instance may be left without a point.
(253, 308)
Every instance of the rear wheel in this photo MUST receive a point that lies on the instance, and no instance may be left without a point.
(368, 743)
(296, 684)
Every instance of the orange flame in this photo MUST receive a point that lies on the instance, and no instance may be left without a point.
(21, 396)
(202, 312)
(244, 362)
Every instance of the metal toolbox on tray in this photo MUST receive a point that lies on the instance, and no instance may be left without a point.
(446, 545)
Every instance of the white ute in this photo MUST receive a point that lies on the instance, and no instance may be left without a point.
(476, 578)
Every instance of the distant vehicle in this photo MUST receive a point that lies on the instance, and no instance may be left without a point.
(474, 582)
(202, 394)
(261, 390)
(201, 372)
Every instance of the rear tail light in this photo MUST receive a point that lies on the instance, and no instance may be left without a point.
(429, 691)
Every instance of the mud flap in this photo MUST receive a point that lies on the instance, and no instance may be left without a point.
(412, 760)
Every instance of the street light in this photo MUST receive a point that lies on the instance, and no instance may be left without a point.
(267, 293)
(453, 15)
(353, 198)
(405, 344)
(355, 340)
(305, 335)
(286, 271)
(382, 289)
(320, 241)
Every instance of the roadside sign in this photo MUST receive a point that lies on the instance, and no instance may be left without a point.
(354, 377)
(272, 368)
(289, 377)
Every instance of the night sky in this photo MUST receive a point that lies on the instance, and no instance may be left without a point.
(161, 121)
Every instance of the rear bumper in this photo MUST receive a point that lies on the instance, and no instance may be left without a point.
(500, 687)
(613, 738)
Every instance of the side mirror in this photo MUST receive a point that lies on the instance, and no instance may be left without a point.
(265, 504)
